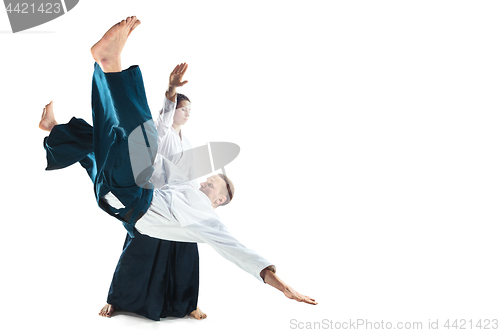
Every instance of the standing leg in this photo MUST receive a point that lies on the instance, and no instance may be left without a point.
(155, 278)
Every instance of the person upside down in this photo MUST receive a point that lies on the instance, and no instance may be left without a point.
(159, 202)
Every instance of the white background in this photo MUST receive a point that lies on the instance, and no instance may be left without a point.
(368, 172)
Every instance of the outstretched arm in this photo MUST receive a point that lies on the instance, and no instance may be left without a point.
(272, 279)
(195, 224)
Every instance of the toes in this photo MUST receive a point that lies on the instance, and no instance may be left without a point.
(131, 20)
(136, 23)
(106, 311)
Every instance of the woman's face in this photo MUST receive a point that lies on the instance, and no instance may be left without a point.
(182, 112)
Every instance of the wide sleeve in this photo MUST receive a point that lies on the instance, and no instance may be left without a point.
(165, 118)
(187, 216)
(217, 236)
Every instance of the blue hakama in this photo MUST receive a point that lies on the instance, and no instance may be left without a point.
(153, 278)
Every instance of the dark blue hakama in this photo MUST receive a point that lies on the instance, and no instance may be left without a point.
(153, 278)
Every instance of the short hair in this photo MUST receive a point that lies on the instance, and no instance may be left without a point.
(181, 97)
(229, 189)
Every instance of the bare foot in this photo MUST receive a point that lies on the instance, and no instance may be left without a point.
(48, 119)
(107, 310)
(198, 314)
(107, 50)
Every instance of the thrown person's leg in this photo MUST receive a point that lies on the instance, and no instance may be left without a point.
(68, 143)
(107, 50)
(119, 107)
(48, 120)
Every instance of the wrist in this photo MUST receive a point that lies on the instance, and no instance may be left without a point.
(270, 278)
(285, 288)
(171, 94)
(264, 275)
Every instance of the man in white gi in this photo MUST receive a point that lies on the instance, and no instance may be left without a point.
(178, 211)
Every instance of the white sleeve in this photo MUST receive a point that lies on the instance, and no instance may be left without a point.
(165, 118)
(183, 218)
(217, 236)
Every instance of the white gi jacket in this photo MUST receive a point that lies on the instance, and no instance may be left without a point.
(179, 211)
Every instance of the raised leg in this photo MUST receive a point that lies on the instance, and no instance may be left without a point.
(107, 51)
(71, 143)
(48, 119)
(119, 106)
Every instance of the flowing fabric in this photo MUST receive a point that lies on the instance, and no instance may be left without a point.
(119, 106)
(154, 278)
(70, 143)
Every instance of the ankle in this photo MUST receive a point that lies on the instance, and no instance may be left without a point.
(110, 66)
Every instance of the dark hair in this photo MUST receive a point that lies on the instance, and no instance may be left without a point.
(229, 189)
(181, 97)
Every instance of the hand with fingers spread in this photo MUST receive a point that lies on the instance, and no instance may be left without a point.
(175, 80)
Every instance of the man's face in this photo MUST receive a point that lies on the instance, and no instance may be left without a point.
(182, 112)
(213, 187)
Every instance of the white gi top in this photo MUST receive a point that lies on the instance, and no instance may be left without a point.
(179, 211)
(170, 143)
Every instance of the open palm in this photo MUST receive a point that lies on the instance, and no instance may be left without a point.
(177, 75)
(292, 294)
